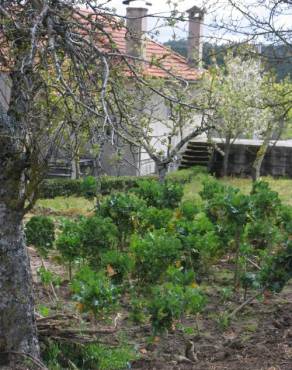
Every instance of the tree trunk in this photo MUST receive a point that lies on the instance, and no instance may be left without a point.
(162, 169)
(226, 156)
(237, 256)
(75, 168)
(257, 164)
(17, 321)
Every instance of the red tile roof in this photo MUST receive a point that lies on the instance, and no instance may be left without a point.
(160, 55)
(170, 61)
(156, 54)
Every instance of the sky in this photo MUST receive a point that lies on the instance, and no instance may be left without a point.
(157, 5)
(218, 8)
(161, 8)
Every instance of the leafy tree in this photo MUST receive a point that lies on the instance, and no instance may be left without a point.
(236, 97)
(276, 111)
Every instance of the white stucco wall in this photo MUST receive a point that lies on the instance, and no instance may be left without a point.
(161, 127)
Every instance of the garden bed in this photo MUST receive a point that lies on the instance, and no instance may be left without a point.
(161, 278)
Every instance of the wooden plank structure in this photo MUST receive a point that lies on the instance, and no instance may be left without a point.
(277, 162)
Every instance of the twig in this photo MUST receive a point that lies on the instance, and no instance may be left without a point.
(72, 364)
(253, 263)
(249, 300)
(36, 361)
(57, 316)
(70, 331)
(51, 284)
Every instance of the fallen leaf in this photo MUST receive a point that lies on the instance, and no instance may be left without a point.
(80, 307)
(111, 272)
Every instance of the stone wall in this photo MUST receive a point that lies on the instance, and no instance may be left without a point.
(277, 162)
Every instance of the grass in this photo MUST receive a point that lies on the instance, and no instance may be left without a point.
(282, 186)
(191, 191)
(67, 204)
(79, 205)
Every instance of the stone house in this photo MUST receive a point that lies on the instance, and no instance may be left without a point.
(132, 40)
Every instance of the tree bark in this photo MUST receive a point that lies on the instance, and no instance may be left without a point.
(257, 164)
(162, 169)
(17, 321)
(75, 168)
(226, 156)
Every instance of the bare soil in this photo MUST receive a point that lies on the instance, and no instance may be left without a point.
(259, 338)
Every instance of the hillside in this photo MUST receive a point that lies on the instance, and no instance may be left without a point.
(277, 58)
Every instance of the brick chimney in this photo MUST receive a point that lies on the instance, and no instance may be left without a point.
(195, 44)
(136, 28)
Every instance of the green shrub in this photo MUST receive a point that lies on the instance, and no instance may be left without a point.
(111, 184)
(122, 209)
(154, 253)
(48, 277)
(172, 194)
(120, 263)
(88, 187)
(200, 242)
(69, 242)
(170, 302)
(180, 276)
(97, 235)
(277, 269)
(268, 223)
(211, 189)
(285, 218)
(93, 356)
(225, 294)
(138, 309)
(93, 291)
(106, 184)
(40, 231)
(265, 203)
(151, 192)
(43, 310)
(153, 218)
(60, 187)
(223, 320)
(100, 357)
(229, 208)
(252, 225)
(249, 280)
(166, 195)
(262, 234)
(189, 209)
